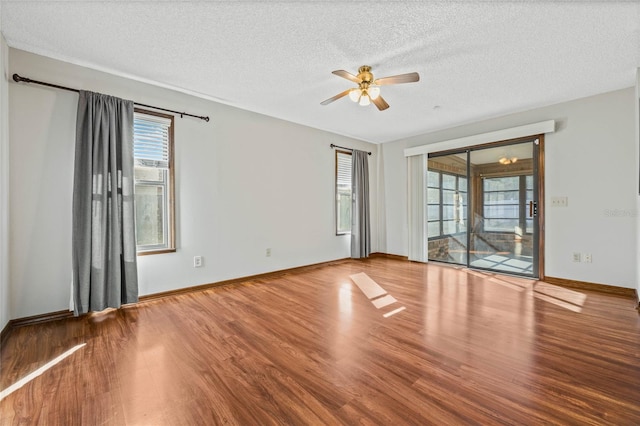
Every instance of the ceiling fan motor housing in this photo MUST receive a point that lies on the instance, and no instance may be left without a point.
(364, 74)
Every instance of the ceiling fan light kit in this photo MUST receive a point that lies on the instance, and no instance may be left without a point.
(504, 160)
(368, 90)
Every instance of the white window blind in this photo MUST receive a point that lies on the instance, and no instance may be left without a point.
(343, 193)
(343, 176)
(151, 141)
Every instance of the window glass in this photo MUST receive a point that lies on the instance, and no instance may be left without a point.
(433, 195)
(433, 179)
(448, 197)
(343, 192)
(150, 222)
(446, 203)
(505, 206)
(448, 227)
(434, 229)
(153, 147)
(448, 181)
(502, 184)
(433, 212)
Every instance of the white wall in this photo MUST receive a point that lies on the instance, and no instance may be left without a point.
(591, 159)
(5, 307)
(244, 182)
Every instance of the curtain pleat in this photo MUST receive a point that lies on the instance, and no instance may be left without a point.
(104, 246)
(360, 210)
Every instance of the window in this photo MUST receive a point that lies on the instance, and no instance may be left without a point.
(153, 171)
(446, 203)
(343, 192)
(505, 203)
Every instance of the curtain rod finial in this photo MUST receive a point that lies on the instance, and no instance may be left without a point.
(16, 78)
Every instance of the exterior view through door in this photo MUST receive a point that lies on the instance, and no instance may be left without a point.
(483, 210)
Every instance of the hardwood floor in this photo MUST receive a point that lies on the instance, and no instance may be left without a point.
(310, 348)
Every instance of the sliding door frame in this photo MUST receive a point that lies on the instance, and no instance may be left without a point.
(538, 166)
(541, 205)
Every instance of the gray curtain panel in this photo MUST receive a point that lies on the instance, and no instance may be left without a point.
(360, 223)
(104, 246)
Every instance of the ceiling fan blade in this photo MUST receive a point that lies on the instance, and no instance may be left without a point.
(411, 77)
(336, 97)
(347, 75)
(380, 103)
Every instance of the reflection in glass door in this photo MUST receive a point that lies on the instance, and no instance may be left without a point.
(482, 208)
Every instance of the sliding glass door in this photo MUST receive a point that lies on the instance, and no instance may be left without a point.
(483, 209)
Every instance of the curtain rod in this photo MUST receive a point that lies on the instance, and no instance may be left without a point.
(342, 147)
(19, 79)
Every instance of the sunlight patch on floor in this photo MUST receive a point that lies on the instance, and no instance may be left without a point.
(395, 311)
(29, 377)
(376, 294)
(369, 287)
(560, 296)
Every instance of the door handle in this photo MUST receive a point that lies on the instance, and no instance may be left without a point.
(533, 208)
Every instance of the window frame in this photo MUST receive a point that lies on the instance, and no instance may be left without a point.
(336, 193)
(169, 214)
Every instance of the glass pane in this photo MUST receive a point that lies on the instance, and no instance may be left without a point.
(448, 181)
(504, 225)
(433, 212)
(433, 229)
(447, 201)
(530, 182)
(462, 184)
(529, 220)
(449, 227)
(498, 241)
(502, 183)
(502, 211)
(150, 204)
(149, 174)
(506, 197)
(343, 212)
(433, 196)
(447, 213)
(433, 179)
(448, 196)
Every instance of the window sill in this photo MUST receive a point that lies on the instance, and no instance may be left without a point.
(161, 251)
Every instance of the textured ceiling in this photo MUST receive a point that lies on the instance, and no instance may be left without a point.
(476, 59)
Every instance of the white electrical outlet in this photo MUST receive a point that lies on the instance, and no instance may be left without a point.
(268, 252)
(587, 258)
(197, 261)
(577, 257)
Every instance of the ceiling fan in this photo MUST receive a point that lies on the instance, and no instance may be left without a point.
(368, 89)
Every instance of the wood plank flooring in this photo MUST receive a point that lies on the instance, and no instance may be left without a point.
(310, 348)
